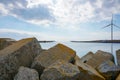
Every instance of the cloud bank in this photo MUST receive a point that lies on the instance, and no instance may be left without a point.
(19, 34)
(59, 12)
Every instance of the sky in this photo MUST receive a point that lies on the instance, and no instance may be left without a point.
(59, 20)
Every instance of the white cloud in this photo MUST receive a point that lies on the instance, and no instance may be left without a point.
(35, 3)
(20, 5)
(3, 10)
(38, 35)
(27, 33)
(40, 22)
(99, 3)
(60, 12)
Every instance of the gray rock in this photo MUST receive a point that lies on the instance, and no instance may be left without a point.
(58, 52)
(118, 77)
(109, 70)
(99, 57)
(21, 53)
(61, 70)
(4, 42)
(86, 71)
(25, 73)
(88, 56)
(118, 56)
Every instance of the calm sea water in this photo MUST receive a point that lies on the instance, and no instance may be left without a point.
(83, 48)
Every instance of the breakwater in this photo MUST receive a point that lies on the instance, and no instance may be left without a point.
(26, 60)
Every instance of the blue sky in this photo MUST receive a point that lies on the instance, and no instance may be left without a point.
(60, 20)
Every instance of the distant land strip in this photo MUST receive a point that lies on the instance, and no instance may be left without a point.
(45, 41)
(100, 41)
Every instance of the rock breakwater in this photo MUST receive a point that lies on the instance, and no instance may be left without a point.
(26, 60)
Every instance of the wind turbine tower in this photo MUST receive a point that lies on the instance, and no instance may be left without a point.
(111, 25)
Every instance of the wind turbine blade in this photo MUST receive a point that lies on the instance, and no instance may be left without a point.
(116, 26)
(112, 19)
(107, 26)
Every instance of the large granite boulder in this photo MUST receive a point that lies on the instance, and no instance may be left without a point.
(86, 57)
(86, 71)
(109, 70)
(58, 52)
(25, 73)
(118, 56)
(61, 70)
(21, 53)
(118, 77)
(99, 57)
(4, 42)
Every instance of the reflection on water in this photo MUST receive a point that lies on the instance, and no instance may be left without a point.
(83, 48)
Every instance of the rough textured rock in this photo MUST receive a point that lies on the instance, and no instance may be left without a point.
(88, 56)
(58, 52)
(25, 73)
(118, 56)
(61, 70)
(109, 70)
(18, 54)
(4, 42)
(87, 72)
(118, 77)
(99, 57)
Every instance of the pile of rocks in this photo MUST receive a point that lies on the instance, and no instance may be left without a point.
(26, 60)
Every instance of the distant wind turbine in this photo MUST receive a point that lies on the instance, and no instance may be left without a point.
(111, 25)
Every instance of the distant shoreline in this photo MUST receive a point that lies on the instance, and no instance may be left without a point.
(99, 41)
(45, 41)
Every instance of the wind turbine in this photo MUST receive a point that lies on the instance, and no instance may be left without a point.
(111, 25)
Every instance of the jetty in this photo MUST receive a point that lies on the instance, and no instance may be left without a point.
(99, 41)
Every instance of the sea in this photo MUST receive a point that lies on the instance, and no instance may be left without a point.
(83, 48)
